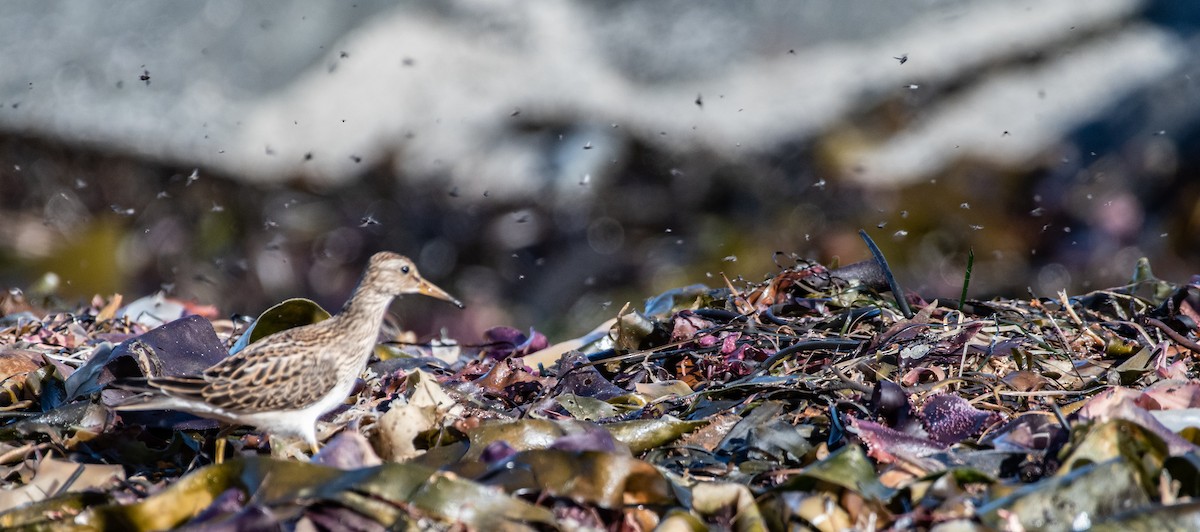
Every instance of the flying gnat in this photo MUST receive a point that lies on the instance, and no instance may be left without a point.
(367, 220)
(903, 58)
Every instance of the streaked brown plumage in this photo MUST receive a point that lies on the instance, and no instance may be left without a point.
(284, 382)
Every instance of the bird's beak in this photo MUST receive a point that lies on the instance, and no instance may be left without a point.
(431, 290)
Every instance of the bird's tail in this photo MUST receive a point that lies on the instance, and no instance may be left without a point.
(143, 396)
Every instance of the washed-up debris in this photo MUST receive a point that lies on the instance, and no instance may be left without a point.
(808, 400)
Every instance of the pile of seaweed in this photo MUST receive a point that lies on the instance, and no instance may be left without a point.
(822, 399)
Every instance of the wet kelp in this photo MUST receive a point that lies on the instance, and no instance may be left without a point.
(811, 400)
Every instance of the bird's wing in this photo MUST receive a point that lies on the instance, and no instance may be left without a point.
(280, 377)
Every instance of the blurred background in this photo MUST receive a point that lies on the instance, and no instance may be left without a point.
(548, 161)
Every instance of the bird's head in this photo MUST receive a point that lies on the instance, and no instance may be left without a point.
(396, 274)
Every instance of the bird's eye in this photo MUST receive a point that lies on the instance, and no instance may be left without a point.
(404, 269)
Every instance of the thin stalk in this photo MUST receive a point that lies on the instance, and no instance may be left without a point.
(967, 278)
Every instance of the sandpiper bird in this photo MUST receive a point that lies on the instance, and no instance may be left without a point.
(284, 382)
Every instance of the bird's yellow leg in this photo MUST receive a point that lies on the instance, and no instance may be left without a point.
(220, 443)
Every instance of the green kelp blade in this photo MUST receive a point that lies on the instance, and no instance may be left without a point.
(1182, 516)
(54, 513)
(645, 434)
(606, 479)
(381, 493)
(480, 507)
(587, 408)
(295, 312)
(1087, 495)
(847, 467)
